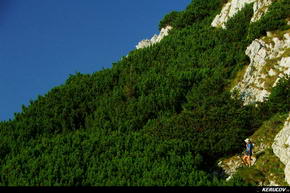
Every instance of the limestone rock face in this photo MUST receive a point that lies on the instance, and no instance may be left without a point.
(269, 56)
(287, 173)
(260, 8)
(281, 148)
(233, 6)
(155, 39)
(270, 61)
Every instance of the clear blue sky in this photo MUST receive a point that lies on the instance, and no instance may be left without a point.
(43, 41)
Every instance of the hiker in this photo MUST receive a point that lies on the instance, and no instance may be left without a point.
(249, 152)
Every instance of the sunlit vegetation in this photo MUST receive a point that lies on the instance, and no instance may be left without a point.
(161, 116)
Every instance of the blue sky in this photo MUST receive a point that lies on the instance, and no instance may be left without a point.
(42, 42)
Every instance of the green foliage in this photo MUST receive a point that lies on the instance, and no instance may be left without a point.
(237, 181)
(195, 12)
(278, 101)
(248, 176)
(280, 95)
(207, 122)
(274, 19)
(243, 26)
(97, 159)
(168, 19)
(161, 116)
(66, 107)
(270, 165)
(266, 133)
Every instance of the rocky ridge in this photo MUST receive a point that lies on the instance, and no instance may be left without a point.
(230, 165)
(233, 6)
(155, 39)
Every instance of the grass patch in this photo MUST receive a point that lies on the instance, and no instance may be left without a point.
(269, 82)
(276, 34)
(238, 78)
(266, 133)
(268, 167)
(271, 167)
(270, 64)
(251, 176)
(286, 53)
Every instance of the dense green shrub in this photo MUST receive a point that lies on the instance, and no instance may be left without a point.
(169, 19)
(249, 176)
(160, 116)
(197, 11)
(279, 100)
(274, 19)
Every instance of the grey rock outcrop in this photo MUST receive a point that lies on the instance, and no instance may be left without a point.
(281, 148)
(270, 61)
(260, 8)
(270, 55)
(155, 39)
(231, 165)
(233, 6)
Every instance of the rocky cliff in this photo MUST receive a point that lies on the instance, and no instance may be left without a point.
(269, 55)
(270, 61)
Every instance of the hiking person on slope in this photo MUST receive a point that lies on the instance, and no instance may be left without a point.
(249, 152)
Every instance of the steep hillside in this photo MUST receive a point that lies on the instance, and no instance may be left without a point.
(164, 115)
(269, 63)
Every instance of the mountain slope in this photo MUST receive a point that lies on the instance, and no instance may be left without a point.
(163, 115)
(270, 61)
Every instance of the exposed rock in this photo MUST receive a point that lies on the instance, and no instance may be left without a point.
(269, 34)
(260, 8)
(281, 148)
(269, 59)
(155, 39)
(288, 21)
(228, 11)
(231, 165)
(269, 63)
(273, 183)
(233, 6)
(272, 72)
(287, 173)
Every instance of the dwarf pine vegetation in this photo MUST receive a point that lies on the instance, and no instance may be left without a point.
(162, 116)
